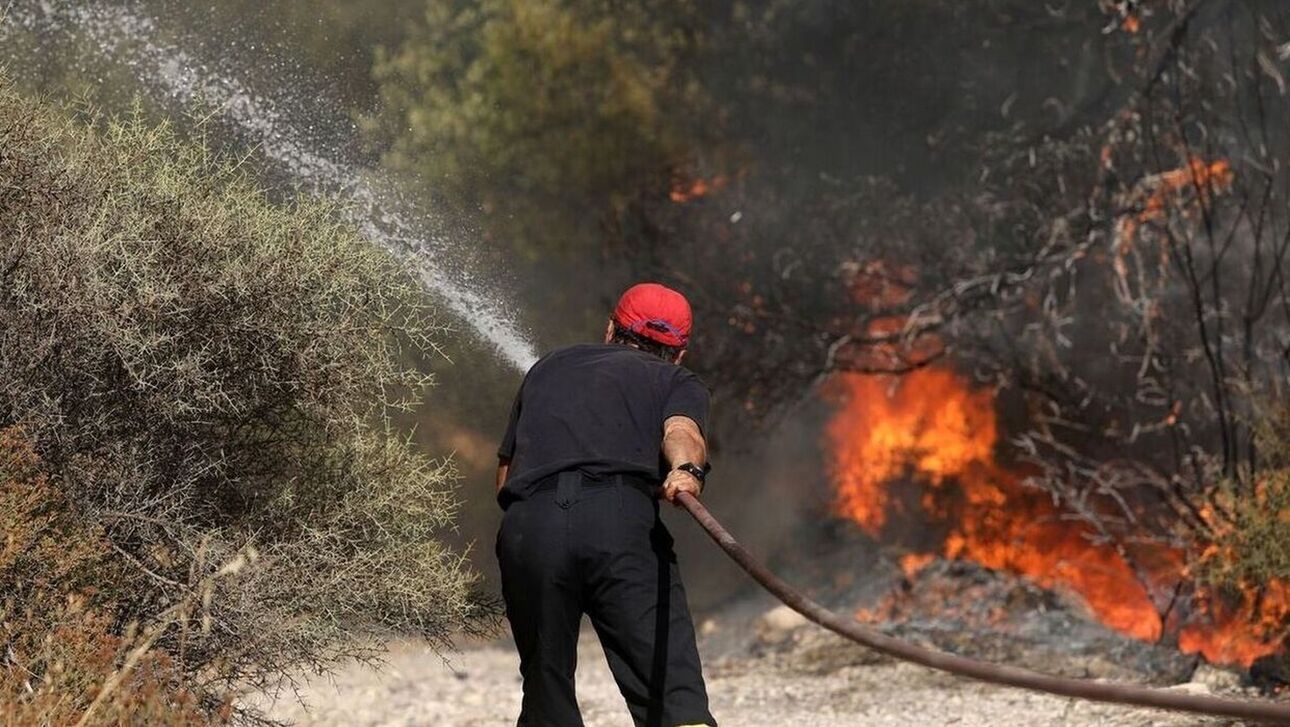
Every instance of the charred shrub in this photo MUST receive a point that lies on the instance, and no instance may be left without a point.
(208, 375)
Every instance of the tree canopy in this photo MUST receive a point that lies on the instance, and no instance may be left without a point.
(545, 118)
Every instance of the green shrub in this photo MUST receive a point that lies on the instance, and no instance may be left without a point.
(204, 372)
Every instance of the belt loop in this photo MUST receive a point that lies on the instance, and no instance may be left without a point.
(567, 489)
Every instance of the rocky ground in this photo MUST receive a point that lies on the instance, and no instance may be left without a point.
(767, 666)
(790, 674)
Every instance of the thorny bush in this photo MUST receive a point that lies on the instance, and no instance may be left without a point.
(203, 372)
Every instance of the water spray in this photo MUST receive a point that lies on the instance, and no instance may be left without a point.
(167, 73)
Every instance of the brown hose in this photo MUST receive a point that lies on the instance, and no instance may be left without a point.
(1272, 712)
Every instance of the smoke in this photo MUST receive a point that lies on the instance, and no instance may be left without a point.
(774, 496)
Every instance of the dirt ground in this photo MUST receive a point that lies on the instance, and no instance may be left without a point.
(821, 683)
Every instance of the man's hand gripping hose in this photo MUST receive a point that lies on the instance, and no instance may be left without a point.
(1260, 711)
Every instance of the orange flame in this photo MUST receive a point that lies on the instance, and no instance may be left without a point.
(1253, 628)
(930, 427)
(925, 442)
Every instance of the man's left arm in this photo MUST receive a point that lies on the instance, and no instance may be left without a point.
(685, 419)
(683, 443)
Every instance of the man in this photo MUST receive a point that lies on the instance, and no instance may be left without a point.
(594, 431)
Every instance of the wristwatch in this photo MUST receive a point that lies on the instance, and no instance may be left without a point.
(700, 473)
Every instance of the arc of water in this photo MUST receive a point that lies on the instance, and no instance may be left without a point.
(126, 36)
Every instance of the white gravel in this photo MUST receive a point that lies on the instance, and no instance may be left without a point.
(480, 686)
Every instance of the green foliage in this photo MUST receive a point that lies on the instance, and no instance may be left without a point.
(547, 116)
(204, 372)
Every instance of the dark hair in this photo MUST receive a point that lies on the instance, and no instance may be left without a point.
(648, 345)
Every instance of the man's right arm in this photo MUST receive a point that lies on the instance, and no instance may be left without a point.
(503, 469)
(506, 450)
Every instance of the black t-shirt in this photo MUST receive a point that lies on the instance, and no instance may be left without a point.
(598, 409)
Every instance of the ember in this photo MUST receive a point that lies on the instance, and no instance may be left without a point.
(1181, 190)
(913, 563)
(686, 190)
(1126, 13)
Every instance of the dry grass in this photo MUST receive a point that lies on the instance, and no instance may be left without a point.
(61, 648)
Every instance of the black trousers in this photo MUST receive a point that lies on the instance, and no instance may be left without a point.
(599, 548)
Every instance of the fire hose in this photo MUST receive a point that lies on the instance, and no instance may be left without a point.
(1131, 694)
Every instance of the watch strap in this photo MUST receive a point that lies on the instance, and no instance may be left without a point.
(699, 473)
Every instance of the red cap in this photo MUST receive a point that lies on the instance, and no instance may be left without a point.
(655, 312)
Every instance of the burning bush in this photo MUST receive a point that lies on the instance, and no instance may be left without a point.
(206, 375)
(1129, 352)
(1246, 566)
(1254, 544)
(1252, 529)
